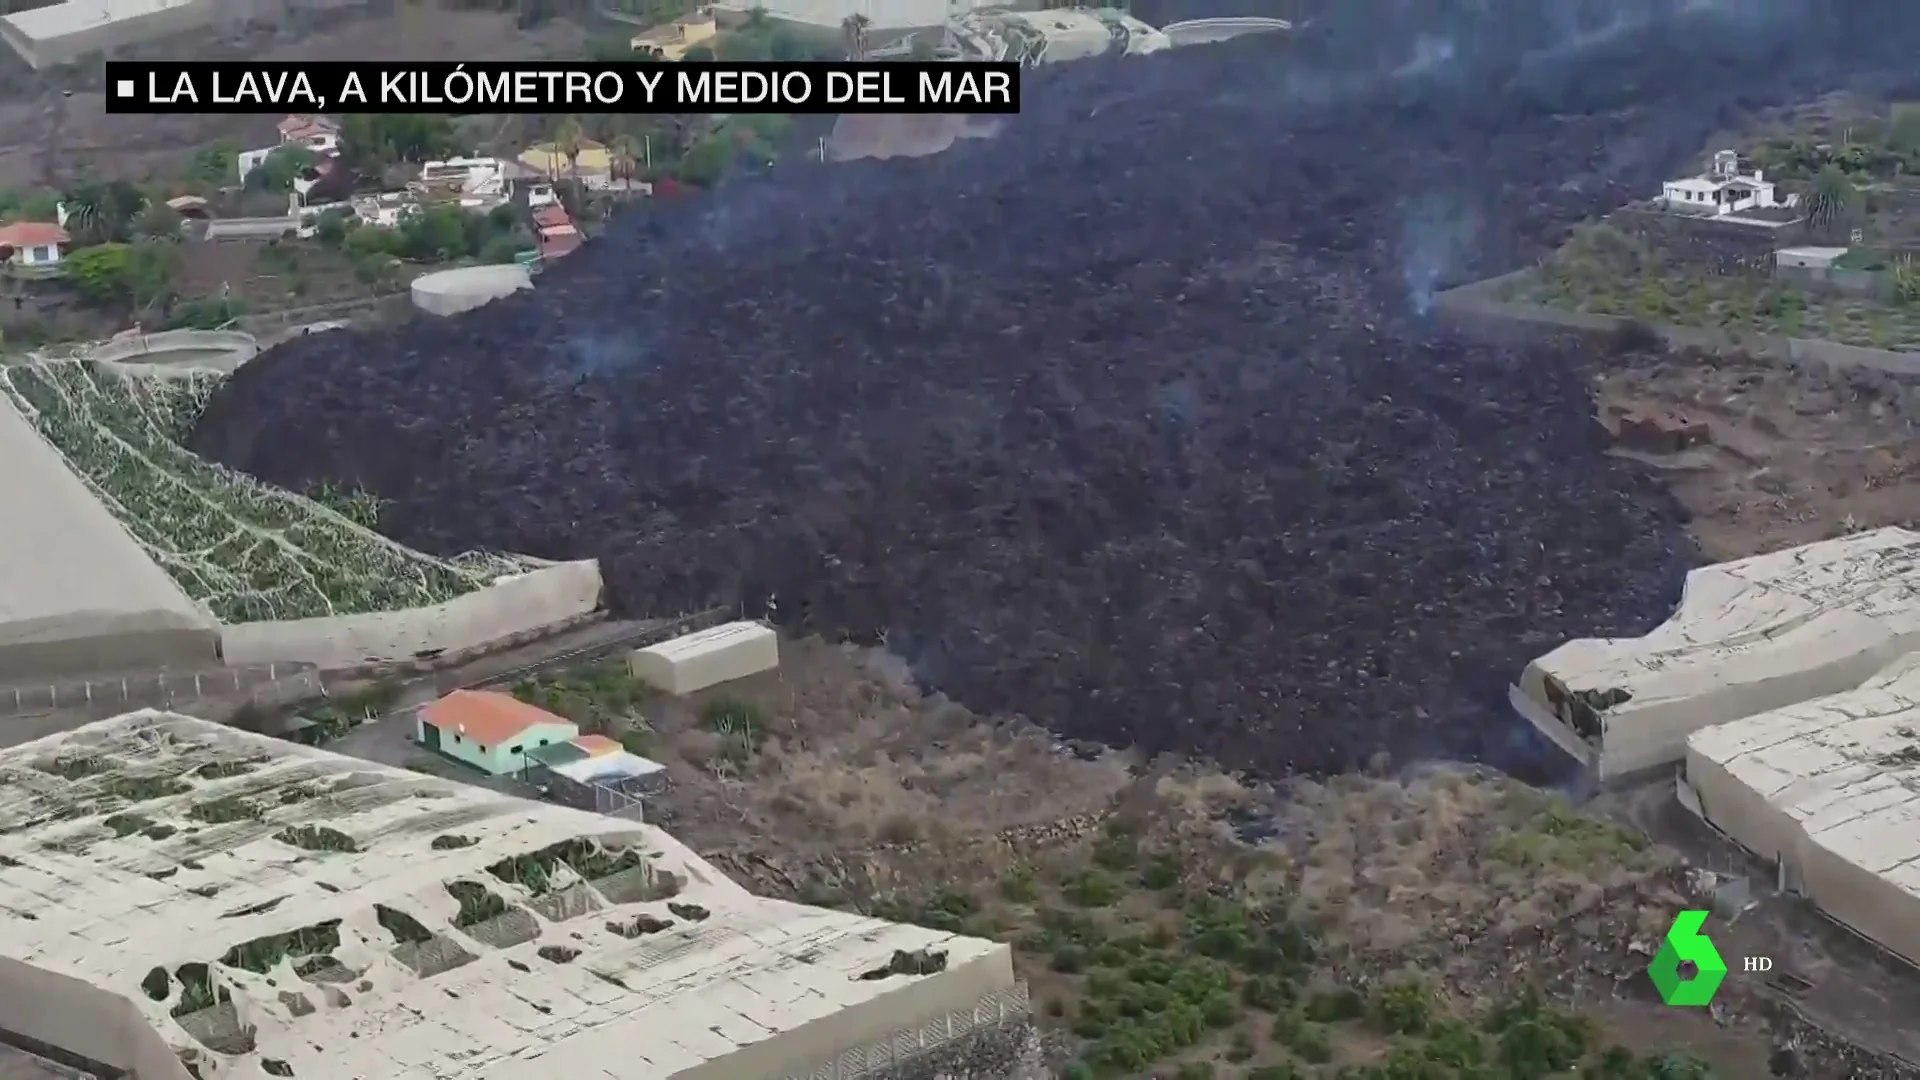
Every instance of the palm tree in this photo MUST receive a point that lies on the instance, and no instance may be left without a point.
(1831, 200)
(83, 217)
(567, 142)
(854, 29)
(623, 155)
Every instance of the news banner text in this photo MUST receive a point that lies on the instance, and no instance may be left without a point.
(510, 87)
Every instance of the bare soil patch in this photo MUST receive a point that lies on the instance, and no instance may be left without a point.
(1120, 881)
(1795, 455)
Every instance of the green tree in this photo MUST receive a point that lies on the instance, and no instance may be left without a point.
(158, 222)
(281, 168)
(707, 160)
(371, 143)
(1903, 127)
(367, 241)
(102, 212)
(214, 164)
(1831, 201)
(139, 274)
(853, 31)
(435, 234)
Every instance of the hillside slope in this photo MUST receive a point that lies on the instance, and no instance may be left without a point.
(1124, 419)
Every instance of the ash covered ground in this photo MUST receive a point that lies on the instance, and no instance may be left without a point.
(1128, 418)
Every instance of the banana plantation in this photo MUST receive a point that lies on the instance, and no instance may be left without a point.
(247, 551)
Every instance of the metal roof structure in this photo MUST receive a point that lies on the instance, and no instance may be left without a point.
(262, 909)
(1757, 634)
(1831, 789)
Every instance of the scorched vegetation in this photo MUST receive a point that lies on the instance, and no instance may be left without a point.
(244, 549)
(1122, 419)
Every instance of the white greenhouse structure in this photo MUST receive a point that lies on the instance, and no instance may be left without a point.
(1762, 633)
(696, 662)
(1829, 790)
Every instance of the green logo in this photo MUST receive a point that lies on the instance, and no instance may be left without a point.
(1686, 944)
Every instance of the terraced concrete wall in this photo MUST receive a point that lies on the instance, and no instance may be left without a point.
(532, 601)
(1479, 307)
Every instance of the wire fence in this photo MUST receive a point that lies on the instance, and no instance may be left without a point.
(262, 684)
(997, 1013)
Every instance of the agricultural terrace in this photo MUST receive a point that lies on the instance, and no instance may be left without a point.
(247, 551)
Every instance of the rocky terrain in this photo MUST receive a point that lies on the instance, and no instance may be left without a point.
(1129, 418)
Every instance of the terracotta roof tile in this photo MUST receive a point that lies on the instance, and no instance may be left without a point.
(485, 716)
(31, 234)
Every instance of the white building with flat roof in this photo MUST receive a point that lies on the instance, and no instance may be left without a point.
(62, 33)
(184, 899)
(1829, 789)
(1762, 633)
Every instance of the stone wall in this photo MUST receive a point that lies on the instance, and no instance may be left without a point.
(1717, 247)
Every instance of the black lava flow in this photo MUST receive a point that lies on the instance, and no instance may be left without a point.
(1126, 419)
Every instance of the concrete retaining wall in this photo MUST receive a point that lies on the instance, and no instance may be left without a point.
(1479, 309)
(1716, 246)
(539, 600)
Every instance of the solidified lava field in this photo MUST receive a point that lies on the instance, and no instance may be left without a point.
(1126, 419)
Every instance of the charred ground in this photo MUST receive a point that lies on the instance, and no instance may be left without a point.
(1123, 419)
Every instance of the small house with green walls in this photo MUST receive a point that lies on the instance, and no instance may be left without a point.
(490, 731)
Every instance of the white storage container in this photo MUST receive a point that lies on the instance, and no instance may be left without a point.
(695, 662)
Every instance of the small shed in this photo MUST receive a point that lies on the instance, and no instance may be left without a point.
(595, 773)
(1808, 258)
(692, 663)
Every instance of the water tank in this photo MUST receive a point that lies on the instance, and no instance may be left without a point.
(450, 292)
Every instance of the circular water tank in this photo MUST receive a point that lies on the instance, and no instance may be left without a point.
(450, 292)
(1208, 31)
(216, 350)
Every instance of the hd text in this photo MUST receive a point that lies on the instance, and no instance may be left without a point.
(638, 87)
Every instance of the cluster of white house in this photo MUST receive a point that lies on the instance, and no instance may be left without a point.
(1786, 690)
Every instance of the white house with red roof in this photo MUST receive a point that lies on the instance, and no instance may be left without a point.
(33, 247)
